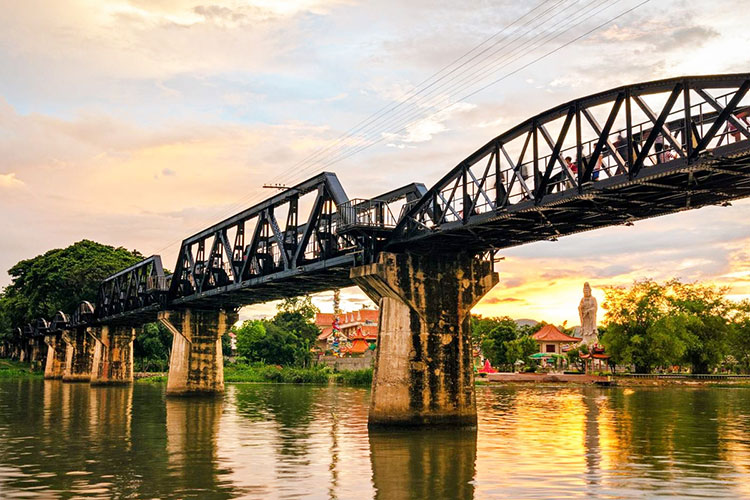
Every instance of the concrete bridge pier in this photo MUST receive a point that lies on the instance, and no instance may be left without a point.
(423, 370)
(34, 351)
(78, 355)
(56, 353)
(112, 362)
(196, 365)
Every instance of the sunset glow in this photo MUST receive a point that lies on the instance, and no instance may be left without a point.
(137, 123)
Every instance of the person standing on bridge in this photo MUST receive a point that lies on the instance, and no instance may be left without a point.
(573, 169)
(741, 117)
(621, 146)
(659, 147)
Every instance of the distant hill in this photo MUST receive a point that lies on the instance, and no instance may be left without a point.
(532, 322)
(526, 322)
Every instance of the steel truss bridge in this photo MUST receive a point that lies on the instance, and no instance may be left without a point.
(636, 152)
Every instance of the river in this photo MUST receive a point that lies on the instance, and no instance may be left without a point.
(285, 441)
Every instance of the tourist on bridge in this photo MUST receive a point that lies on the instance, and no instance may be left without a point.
(621, 146)
(573, 168)
(659, 147)
(742, 116)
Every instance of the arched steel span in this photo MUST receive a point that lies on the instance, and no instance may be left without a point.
(683, 143)
(633, 158)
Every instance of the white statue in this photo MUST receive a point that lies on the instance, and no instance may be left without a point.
(587, 313)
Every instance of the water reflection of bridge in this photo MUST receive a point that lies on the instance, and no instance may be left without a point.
(266, 441)
(425, 256)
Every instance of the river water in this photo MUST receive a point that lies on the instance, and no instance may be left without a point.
(284, 441)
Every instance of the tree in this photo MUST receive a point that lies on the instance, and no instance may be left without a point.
(520, 349)
(738, 340)
(574, 356)
(298, 316)
(481, 326)
(494, 343)
(152, 347)
(707, 326)
(60, 279)
(263, 341)
(638, 331)
(285, 339)
(653, 325)
(300, 305)
(6, 327)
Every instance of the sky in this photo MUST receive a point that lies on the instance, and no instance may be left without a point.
(136, 123)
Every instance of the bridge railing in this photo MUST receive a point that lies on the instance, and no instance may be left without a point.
(140, 285)
(622, 133)
(366, 213)
(607, 166)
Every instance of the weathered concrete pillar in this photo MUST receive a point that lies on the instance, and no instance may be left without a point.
(34, 351)
(423, 370)
(196, 365)
(113, 355)
(78, 356)
(56, 353)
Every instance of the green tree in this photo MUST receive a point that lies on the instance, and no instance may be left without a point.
(494, 343)
(481, 326)
(706, 322)
(6, 327)
(520, 349)
(574, 356)
(60, 279)
(152, 347)
(299, 305)
(249, 334)
(631, 337)
(263, 341)
(738, 340)
(652, 325)
(285, 339)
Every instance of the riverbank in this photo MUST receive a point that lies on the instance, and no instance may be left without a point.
(260, 373)
(10, 369)
(613, 380)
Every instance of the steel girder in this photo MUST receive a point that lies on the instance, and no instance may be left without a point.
(688, 132)
(140, 285)
(277, 260)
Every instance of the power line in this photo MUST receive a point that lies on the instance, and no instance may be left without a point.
(417, 90)
(410, 118)
(510, 73)
(387, 108)
(343, 156)
(400, 118)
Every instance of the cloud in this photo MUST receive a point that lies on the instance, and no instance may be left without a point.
(424, 129)
(10, 181)
(504, 300)
(234, 94)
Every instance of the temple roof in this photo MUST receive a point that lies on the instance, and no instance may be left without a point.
(359, 346)
(550, 333)
(324, 319)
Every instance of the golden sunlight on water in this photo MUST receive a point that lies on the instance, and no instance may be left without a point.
(284, 441)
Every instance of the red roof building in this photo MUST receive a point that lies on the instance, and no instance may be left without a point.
(360, 327)
(552, 341)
